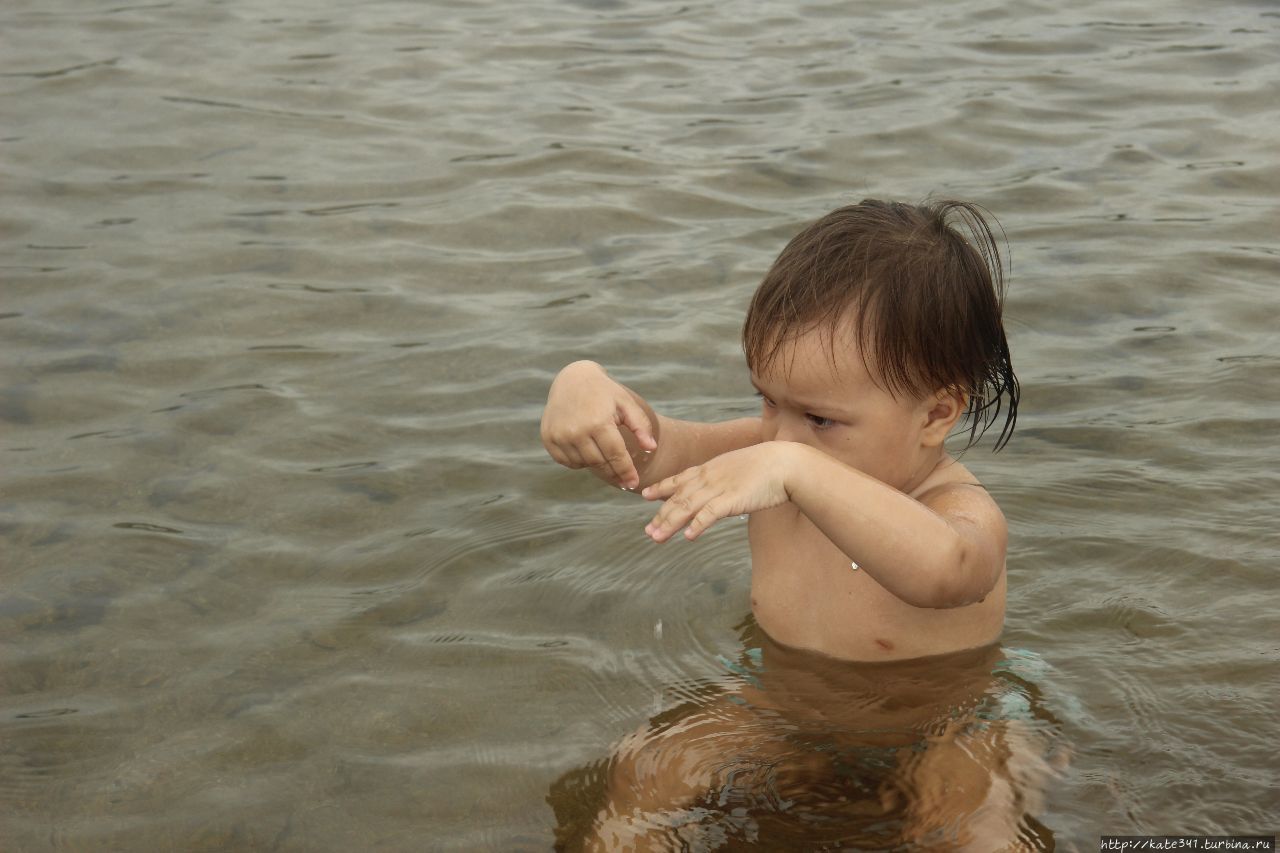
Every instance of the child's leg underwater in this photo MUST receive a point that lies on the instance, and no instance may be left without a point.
(748, 760)
(719, 774)
(733, 767)
(661, 777)
(973, 787)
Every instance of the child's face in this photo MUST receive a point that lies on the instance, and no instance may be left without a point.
(844, 413)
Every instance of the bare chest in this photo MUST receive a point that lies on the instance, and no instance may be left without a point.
(806, 593)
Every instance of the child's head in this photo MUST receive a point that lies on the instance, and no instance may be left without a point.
(922, 303)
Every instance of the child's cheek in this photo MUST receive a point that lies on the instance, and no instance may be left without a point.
(768, 424)
(841, 442)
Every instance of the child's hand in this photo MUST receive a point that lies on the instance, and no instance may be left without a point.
(583, 422)
(742, 481)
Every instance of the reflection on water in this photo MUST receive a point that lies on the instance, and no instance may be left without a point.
(283, 287)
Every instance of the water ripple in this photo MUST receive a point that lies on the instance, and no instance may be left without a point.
(285, 289)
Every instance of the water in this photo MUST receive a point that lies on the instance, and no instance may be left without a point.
(283, 288)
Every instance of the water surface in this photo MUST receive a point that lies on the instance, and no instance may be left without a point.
(283, 287)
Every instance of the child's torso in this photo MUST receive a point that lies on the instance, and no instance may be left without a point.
(806, 594)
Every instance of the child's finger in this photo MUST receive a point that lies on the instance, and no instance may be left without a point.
(658, 491)
(591, 457)
(634, 418)
(662, 527)
(709, 514)
(677, 512)
(615, 459)
(567, 455)
(668, 518)
(666, 488)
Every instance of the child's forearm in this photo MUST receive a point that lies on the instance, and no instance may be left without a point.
(912, 550)
(683, 444)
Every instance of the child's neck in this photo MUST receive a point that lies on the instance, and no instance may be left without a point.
(931, 463)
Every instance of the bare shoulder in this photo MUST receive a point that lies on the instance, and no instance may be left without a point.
(955, 494)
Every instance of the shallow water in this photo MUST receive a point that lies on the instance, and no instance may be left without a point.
(284, 284)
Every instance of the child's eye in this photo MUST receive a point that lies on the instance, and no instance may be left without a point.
(818, 421)
(767, 401)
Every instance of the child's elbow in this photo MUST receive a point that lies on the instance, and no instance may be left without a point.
(957, 580)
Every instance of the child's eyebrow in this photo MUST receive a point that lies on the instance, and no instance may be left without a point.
(809, 407)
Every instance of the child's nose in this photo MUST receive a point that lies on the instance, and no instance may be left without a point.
(792, 428)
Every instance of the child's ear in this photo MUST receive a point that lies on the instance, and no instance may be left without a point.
(942, 410)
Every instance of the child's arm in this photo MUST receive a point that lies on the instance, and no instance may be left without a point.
(592, 421)
(945, 549)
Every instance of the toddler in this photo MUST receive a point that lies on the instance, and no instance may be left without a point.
(878, 559)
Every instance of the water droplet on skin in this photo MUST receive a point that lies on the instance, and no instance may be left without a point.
(854, 566)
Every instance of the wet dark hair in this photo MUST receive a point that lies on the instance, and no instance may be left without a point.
(926, 302)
